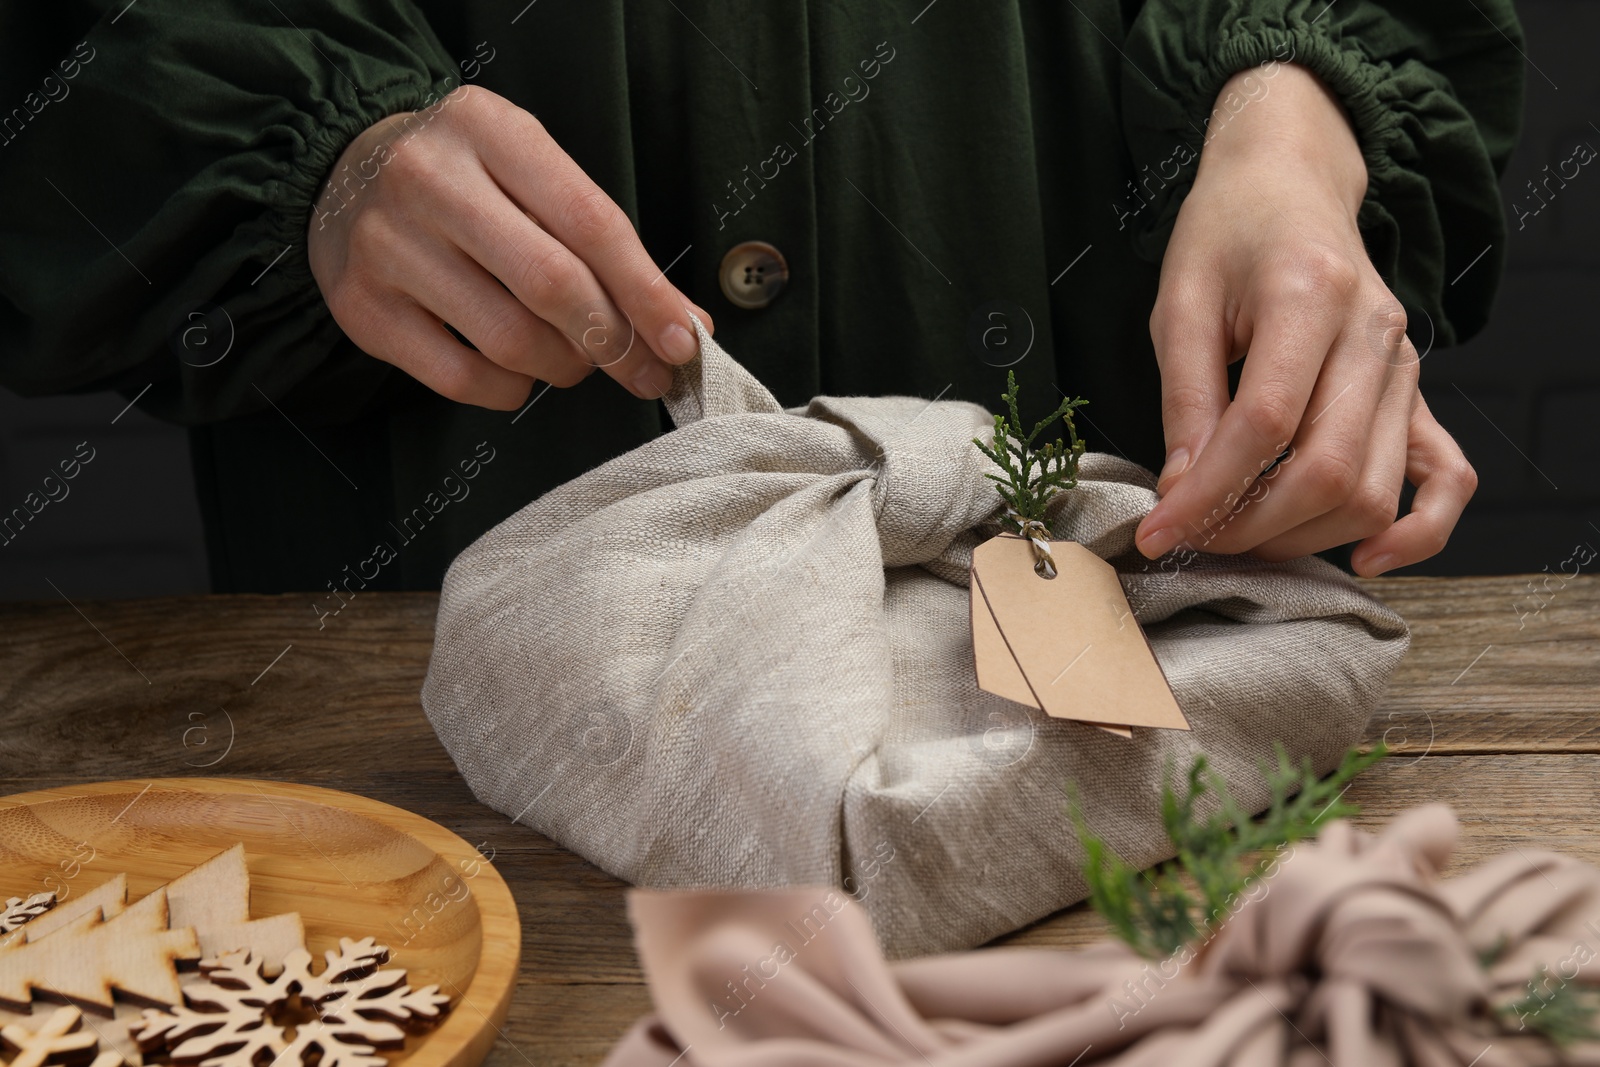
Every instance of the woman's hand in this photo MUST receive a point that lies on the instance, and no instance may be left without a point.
(467, 213)
(1266, 264)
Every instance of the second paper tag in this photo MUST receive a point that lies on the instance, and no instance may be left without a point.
(1068, 645)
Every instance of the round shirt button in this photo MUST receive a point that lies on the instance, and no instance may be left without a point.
(753, 274)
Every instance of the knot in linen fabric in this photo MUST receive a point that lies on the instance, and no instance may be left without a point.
(927, 478)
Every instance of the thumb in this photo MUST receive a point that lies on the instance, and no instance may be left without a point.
(699, 312)
(1192, 353)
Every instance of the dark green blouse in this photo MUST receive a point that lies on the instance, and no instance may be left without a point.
(956, 187)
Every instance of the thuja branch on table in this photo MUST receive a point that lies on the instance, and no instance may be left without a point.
(1221, 855)
(1158, 914)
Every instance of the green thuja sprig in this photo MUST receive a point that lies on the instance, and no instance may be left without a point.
(1220, 855)
(1565, 1017)
(1031, 478)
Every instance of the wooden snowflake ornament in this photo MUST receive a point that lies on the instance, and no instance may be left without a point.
(18, 911)
(338, 1018)
(114, 959)
(59, 1039)
(255, 1001)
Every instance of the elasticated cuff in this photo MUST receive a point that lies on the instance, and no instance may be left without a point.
(1432, 204)
(296, 194)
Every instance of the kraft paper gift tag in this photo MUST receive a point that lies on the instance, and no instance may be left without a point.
(1067, 645)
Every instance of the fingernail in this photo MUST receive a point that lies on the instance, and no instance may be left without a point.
(1177, 463)
(1159, 542)
(697, 312)
(1380, 563)
(678, 344)
(653, 380)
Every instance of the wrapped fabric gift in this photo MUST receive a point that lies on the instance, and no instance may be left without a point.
(1351, 951)
(741, 656)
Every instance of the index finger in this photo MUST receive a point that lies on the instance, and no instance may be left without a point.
(1257, 426)
(534, 170)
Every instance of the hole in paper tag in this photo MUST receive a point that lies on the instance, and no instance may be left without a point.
(1069, 646)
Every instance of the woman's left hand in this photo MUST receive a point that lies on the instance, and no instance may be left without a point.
(1266, 264)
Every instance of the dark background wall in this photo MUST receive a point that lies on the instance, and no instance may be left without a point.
(128, 524)
(1523, 398)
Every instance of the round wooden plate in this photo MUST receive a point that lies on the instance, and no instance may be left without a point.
(351, 867)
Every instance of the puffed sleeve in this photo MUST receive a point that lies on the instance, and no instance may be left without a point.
(1434, 92)
(158, 179)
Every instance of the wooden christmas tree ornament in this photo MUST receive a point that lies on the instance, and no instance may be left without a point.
(214, 898)
(106, 899)
(134, 952)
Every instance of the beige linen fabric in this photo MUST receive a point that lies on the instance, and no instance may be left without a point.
(740, 655)
(1351, 954)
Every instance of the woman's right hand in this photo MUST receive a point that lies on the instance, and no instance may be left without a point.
(468, 213)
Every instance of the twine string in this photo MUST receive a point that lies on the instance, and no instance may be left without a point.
(1038, 535)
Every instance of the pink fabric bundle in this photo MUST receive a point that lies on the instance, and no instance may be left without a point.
(1350, 951)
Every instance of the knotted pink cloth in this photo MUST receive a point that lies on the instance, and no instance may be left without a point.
(1351, 952)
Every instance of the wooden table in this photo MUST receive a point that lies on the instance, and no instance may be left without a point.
(1492, 711)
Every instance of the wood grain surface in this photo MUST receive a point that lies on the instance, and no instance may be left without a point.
(1493, 712)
